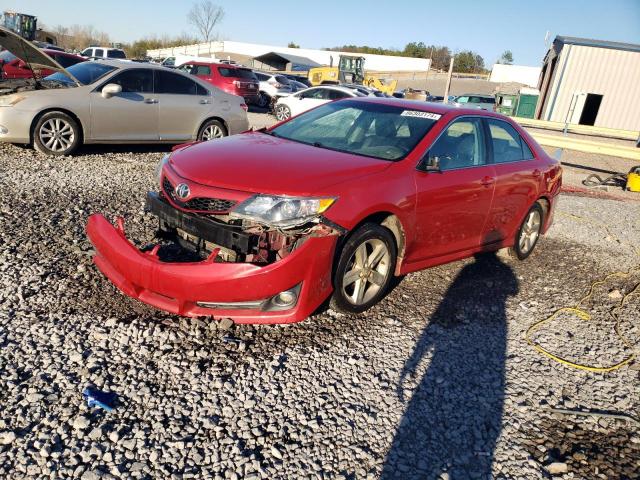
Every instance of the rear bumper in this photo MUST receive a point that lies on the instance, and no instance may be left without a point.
(177, 287)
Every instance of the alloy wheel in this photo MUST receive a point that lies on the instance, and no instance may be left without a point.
(367, 271)
(56, 134)
(530, 231)
(282, 112)
(212, 132)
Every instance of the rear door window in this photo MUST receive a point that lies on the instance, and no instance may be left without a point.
(176, 84)
(116, 54)
(201, 70)
(66, 60)
(98, 52)
(336, 94)
(508, 145)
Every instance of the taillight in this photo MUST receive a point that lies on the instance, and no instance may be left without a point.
(245, 107)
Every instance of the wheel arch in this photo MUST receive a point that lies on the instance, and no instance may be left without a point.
(545, 203)
(208, 119)
(393, 223)
(66, 111)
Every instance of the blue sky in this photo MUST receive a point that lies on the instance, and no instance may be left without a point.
(486, 26)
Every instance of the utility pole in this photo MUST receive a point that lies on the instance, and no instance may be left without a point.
(446, 89)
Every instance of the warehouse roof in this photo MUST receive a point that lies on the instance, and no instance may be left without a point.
(588, 42)
(287, 57)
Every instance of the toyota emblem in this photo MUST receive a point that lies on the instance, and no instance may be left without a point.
(182, 191)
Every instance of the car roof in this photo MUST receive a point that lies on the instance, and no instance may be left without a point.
(123, 64)
(60, 52)
(339, 88)
(488, 95)
(423, 106)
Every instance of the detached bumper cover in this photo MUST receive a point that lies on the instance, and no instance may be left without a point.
(176, 287)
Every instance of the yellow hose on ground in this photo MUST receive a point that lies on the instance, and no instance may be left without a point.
(584, 315)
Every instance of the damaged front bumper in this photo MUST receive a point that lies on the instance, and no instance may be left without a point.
(242, 291)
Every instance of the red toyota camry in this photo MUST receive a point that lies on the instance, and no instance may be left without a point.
(265, 226)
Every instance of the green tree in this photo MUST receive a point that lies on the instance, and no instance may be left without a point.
(468, 62)
(506, 57)
(293, 45)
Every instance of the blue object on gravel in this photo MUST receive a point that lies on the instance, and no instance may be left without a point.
(98, 398)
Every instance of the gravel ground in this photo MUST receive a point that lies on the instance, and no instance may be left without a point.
(436, 381)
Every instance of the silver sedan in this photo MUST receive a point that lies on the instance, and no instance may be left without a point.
(111, 102)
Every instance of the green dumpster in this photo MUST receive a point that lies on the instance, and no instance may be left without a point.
(506, 103)
(527, 102)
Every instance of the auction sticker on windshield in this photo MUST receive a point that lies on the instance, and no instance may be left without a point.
(419, 114)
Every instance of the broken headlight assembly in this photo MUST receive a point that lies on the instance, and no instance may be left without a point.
(160, 166)
(280, 211)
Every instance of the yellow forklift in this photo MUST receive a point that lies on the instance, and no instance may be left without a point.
(350, 69)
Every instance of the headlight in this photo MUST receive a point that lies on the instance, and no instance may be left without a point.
(10, 100)
(281, 211)
(162, 163)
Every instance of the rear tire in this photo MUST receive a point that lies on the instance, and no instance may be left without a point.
(282, 112)
(529, 233)
(56, 133)
(365, 269)
(211, 130)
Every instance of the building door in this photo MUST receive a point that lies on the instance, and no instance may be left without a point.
(590, 109)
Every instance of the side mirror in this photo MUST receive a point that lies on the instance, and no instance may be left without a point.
(22, 64)
(111, 89)
(430, 163)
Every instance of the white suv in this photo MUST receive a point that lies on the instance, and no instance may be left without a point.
(304, 100)
(272, 87)
(103, 52)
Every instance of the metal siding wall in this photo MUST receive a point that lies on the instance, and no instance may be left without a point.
(615, 74)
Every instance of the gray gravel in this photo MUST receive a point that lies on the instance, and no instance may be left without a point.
(434, 382)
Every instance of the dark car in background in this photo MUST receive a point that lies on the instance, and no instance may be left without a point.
(232, 79)
(483, 102)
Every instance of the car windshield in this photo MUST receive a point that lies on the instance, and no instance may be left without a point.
(85, 72)
(7, 56)
(386, 132)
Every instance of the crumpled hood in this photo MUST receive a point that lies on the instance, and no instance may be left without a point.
(259, 163)
(28, 52)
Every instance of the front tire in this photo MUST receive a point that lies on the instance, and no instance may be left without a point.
(56, 133)
(212, 130)
(282, 112)
(528, 233)
(365, 269)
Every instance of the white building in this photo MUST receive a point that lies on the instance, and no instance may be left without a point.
(528, 76)
(591, 82)
(220, 50)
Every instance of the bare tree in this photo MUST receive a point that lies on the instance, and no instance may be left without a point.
(204, 16)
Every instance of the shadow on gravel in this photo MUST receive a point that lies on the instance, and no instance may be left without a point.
(454, 416)
(98, 149)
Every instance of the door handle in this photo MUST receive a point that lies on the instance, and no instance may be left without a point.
(487, 181)
(205, 102)
(150, 100)
(536, 173)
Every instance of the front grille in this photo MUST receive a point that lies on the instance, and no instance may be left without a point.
(202, 204)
